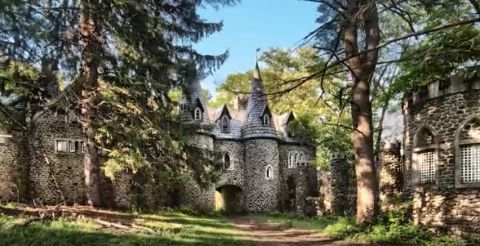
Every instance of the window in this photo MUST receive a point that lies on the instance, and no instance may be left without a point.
(83, 147)
(470, 163)
(197, 114)
(291, 159)
(425, 156)
(72, 147)
(4, 139)
(225, 124)
(62, 146)
(227, 162)
(269, 173)
(266, 120)
(467, 153)
(301, 159)
(427, 164)
(290, 130)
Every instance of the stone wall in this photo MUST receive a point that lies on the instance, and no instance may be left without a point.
(435, 118)
(236, 150)
(261, 194)
(13, 167)
(308, 176)
(390, 174)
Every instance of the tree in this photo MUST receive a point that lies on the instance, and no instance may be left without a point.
(280, 65)
(139, 50)
(349, 36)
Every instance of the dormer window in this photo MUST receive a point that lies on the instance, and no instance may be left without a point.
(197, 114)
(291, 130)
(225, 124)
(266, 120)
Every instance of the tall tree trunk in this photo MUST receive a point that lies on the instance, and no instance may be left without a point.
(380, 128)
(367, 185)
(362, 67)
(91, 44)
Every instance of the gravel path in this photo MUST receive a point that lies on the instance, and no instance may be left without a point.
(271, 234)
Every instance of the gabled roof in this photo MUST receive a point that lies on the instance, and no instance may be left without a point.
(221, 111)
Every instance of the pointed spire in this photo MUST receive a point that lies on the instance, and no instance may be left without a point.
(256, 108)
(256, 72)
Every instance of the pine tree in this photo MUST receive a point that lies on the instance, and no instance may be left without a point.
(124, 56)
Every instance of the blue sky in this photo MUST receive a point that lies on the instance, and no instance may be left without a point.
(255, 24)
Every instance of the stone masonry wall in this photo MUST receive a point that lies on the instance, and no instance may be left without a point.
(236, 151)
(390, 174)
(442, 203)
(13, 167)
(308, 175)
(261, 194)
(200, 198)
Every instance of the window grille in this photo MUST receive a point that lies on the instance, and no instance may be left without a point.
(72, 146)
(427, 163)
(470, 163)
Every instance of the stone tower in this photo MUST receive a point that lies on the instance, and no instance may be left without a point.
(193, 110)
(261, 150)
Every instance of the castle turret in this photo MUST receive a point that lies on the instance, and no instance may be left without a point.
(193, 109)
(261, 151)
(192, 106)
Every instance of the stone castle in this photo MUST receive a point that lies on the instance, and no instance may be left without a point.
(265, 162)
(437, 171)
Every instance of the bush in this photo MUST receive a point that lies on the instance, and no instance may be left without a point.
(342, 228)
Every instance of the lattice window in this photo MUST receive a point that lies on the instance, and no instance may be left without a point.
(427, 163)
(470, 163)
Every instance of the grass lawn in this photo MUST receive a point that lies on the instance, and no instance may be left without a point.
(170, 229)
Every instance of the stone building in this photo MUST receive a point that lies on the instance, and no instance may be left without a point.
(265, 165)
(442, 154)
(265, 162)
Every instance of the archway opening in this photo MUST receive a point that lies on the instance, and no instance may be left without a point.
(229, 199)
(290, 203)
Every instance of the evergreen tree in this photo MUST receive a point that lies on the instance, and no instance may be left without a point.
(137, 50)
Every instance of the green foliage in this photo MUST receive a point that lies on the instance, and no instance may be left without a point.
(443, 54)
(388, 230)
(282, 75)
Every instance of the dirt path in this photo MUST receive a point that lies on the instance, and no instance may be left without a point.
(270, 234)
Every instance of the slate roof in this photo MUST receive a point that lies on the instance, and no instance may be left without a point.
(245, 123)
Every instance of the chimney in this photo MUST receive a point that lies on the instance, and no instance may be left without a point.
(235, 102)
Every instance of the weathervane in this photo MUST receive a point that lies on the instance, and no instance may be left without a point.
(256, 55)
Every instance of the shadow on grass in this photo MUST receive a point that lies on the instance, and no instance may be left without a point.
(42, 235)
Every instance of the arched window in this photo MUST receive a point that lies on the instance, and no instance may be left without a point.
(425, 155)
(291, 159)
(301, 159)
(227, 162)
(269, 173)
(290, 130)
(225, 124)
(467, 153)
(198, 114)
(266, 120)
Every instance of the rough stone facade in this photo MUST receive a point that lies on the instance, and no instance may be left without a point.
(257, 151)
(442, 164)
(260, 152)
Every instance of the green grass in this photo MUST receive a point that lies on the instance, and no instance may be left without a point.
(382, 233)
(173, 229)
